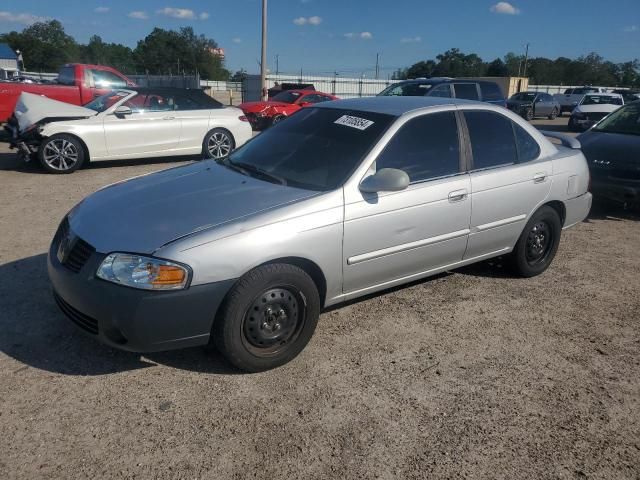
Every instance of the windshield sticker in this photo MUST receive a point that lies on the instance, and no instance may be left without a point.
(354, 122)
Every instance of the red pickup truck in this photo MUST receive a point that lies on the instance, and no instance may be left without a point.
(77, 84)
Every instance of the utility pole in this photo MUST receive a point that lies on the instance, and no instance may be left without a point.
(526, 56)
(263, 60)
(277, 64)
(377, 65)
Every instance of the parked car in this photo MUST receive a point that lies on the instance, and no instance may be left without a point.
(592, 108)
(612, 149)
(534, 104)
(263, 114)
(628, 95)
(572, 96)
(342, 200)
(77, 84)
(125, 123)
(479, 90)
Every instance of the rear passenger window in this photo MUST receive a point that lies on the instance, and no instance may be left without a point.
(528, 148)
(491, 92)
(492, 139)
(468, 91)
(443, 91)
(425, 147)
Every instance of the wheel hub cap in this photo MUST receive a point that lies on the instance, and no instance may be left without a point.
(538, 242)
(60, 154)
(272, 318)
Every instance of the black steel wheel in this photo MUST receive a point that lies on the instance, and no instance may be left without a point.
(538, 243)
(267, 318)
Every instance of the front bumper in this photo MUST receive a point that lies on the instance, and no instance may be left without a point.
(132, 319)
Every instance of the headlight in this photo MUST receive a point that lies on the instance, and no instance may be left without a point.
(143, 272)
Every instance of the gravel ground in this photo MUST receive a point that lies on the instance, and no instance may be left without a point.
(472, 374)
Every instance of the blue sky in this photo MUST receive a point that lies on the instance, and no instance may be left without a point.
(325, 35)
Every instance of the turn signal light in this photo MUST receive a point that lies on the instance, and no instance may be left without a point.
(169, 275)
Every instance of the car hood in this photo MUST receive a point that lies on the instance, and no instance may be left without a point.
(31, 109)
(622, 151)
(259, 106)
(143, 214)
(602, 108)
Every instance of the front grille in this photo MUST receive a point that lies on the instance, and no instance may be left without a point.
(80, 251)
(78, 256)
(595, 116)
(80, 319)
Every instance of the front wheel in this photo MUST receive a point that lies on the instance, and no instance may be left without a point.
(268, 317)
(277, 119)
(538, 243)
(554, 114)
(218, 144)
(528, 114)
(61, 154)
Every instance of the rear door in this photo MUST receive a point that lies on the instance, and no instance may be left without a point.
(508, 181)
(394, 235)
(152, 127)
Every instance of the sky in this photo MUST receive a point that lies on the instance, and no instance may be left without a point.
(323, 36)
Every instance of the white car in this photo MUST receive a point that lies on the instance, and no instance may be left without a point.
(572, 96)
(124, 124)
(592, 108)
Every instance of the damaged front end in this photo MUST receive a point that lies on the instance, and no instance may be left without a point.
(26, 142)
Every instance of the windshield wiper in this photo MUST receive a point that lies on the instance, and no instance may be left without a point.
(247, 167)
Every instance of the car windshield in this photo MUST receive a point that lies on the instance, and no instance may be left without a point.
(286, 97)
(315, 149)
(411, 89)
(103, 102)
(524, 96)
(601, 100)
(625, 120)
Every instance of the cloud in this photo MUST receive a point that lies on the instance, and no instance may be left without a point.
(203, 16)
(315, 20)
(101, 9)
(236, 40)
(181, 13)
(416, 39)
(23, 18)
(505, 8)
(631, 28)
(362, 35)
(138, 15)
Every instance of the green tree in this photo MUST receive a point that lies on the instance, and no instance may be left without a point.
(44, 45)
(497, 68)
(113, 54)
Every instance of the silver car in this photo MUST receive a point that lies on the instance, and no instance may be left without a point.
(341, 200)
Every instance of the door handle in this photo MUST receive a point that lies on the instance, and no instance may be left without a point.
(168, 118)
(458, 195)
(539, 177)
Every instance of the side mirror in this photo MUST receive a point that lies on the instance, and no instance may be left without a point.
(385, 180)
(122, 111)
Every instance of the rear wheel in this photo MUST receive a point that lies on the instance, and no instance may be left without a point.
(61, 154)
(538, 243)
(268, 317)
(218, 144)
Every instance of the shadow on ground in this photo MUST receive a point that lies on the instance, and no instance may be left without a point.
(37, 334)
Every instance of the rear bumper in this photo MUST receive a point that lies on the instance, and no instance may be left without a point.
(132, 319)
(577, 209)
(623, 191)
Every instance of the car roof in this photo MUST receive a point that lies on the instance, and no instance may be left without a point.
(159, 89)
(602, 94)
(394, 105)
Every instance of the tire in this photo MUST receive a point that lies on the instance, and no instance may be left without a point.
(571, 126)
(277, 119)
(267, 318)
(538, 243)
(554, 114)
(528, 114)
(218, 144)
(61, 154)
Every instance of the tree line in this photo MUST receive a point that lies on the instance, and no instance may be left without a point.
(591, 69)
(45, 46)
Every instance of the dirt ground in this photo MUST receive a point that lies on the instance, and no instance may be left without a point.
(472, 374)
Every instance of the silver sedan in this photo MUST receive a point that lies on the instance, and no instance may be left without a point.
(341, 200)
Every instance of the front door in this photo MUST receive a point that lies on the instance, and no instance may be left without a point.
(397, 235)
(152, 127)
(508, 181)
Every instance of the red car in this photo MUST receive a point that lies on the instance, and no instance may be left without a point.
(263, 114)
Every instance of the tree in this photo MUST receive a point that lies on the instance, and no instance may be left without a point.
(44, 45)
(239, 76)
(169, 51)
(420, 69)
(113, 54)
(497, 68)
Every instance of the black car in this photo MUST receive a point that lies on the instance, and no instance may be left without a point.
(534, 104)
(479, 90)
(612, 149)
